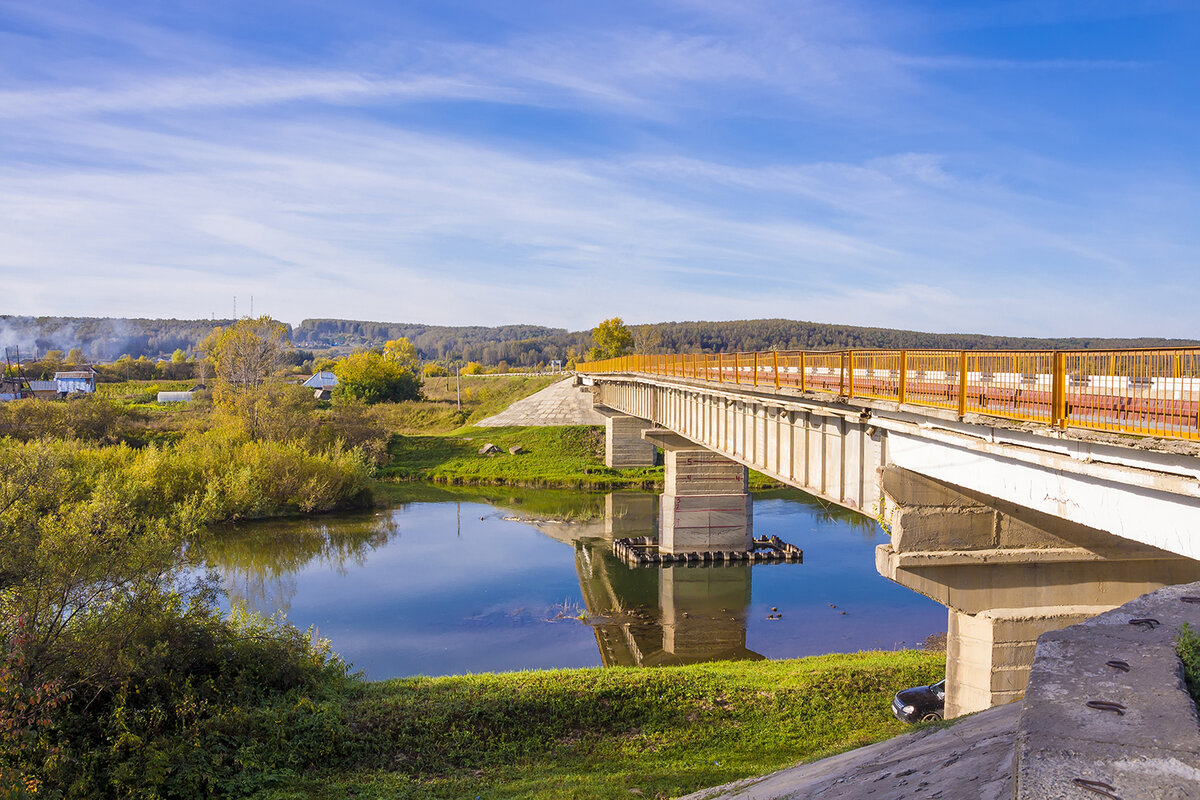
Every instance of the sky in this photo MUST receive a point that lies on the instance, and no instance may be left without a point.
(1022, 168)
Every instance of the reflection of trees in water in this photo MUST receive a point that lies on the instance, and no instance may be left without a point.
(826, 511)
(257, 562)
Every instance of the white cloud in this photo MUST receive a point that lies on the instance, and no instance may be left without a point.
(323, 190)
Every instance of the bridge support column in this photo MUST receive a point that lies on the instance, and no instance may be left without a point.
(705, 504)
(1007, 574)
(988, 655)
(623, 443)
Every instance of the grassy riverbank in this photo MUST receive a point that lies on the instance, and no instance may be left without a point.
(610, 733)
(567, 456)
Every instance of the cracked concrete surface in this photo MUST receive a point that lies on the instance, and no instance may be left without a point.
(560, 403)
(970, 758)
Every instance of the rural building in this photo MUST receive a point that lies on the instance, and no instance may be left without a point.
(46, 389)
(79, 380)
(174, 397)
(322, 380)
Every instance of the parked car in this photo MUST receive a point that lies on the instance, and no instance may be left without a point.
(920, 703)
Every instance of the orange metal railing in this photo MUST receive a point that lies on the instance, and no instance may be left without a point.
(1143, 392)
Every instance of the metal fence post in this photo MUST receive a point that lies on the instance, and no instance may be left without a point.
(756, 368)
(803, 382)
(903, 388)
(1058, 397)
(775, 355)
(962, 384)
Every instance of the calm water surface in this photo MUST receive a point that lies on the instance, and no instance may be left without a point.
(481, 580)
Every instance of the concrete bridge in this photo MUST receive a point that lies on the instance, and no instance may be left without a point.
(1020, 519)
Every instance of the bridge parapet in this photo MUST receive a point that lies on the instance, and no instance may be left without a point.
(1154, 392)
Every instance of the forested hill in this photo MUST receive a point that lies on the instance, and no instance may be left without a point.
(517, 344)
(786, 334)
(104, 338)
(107, 338)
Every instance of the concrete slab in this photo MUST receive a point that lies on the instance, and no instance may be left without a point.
(1149, 744)
(970, 759)
(561, 403)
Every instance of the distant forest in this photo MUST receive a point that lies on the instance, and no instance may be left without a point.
(108, 338)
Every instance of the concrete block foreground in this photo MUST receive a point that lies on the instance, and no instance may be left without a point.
(1138, 738)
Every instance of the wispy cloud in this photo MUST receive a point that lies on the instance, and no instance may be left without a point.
(766, 160)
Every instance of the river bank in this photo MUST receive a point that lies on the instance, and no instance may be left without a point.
(607, 733)
(569, 456)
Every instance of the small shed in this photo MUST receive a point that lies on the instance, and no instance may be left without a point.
(74, 381)
(322, 380)
(47, 389)
(174, 397)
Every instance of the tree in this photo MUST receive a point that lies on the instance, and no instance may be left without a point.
(372, 377)
(403, 352)
(472, 368)
(646, 339)
(75, 356)
(432, 370)
(247, 357)
(178, 357)
(611, 338)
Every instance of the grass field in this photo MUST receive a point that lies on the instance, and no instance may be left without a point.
(614, 732)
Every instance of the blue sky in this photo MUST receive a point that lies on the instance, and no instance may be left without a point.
(1011, 167)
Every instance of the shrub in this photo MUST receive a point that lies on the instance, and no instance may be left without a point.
(373, 378)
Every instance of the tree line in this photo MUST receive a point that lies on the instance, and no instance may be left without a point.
(139, 343)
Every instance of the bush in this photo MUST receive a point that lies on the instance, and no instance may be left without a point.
(117, 676)
(373, 378)
(1187, 645)
(90, 419)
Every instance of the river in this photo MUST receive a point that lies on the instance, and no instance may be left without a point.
(451, 581)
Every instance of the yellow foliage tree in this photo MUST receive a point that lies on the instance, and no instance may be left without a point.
(247, 356)
(404, 353)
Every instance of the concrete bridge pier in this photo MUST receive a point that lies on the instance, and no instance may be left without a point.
(624, 446)
(1007, 574)
(705, 504)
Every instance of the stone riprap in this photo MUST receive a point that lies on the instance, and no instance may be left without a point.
(561, 403)
(970, 759)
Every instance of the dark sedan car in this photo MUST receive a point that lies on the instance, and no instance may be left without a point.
(920, 703)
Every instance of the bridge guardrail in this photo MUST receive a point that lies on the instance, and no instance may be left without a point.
(1142, 392)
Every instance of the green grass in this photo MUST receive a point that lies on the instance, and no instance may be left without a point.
(565, 456)
(603, 733)
(1187, 645)
(558, 456)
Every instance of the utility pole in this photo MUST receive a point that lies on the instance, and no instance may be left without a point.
(458, 375)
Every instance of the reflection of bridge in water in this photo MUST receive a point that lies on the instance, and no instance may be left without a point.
(663, 614)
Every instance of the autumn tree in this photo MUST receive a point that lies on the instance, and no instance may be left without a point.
(247, 356)
(403, 352)
(373, 377)
(434, 371)
(611, 338)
